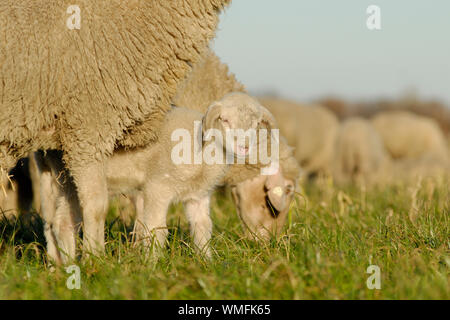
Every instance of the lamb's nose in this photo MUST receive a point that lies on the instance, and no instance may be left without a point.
(242, 150)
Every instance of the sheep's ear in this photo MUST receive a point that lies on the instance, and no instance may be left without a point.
(211, 116)
(275, 193)
(268, 120)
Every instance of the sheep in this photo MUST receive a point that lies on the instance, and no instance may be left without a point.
(89, 90)
(259, 202)
(359, 154)
(263, 201)
(160, 177)
(310, 129)
(410, 136)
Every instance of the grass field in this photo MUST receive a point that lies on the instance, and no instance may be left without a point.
(332, 237)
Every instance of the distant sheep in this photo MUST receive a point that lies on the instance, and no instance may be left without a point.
(90, 90)
(408, 170)
(410, 136)
(310, 129)
(154, 172)
(359, 154)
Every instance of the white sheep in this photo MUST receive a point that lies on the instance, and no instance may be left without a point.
(86, 91)
(359, 154)
(263, 201)
(154, 172)
(408, 135)
(310, 129)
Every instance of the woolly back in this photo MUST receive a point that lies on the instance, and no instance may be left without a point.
(101, 81)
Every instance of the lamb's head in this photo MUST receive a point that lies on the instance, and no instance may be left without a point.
(263, 204)
(238, 117)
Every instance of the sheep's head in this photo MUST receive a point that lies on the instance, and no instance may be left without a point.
(238, 117)
(263, 204)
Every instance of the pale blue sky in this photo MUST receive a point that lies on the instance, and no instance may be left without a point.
(305, 49)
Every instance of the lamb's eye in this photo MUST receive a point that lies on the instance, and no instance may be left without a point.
(289, 189)
(225, 121)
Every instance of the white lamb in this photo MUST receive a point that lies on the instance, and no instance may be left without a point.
(154, 172)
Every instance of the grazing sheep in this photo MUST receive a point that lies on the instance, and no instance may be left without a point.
(311, 130)
(86, 91)
(263, 201)
(261, 210)
(155, 172)
(359, 154)
(410, 136)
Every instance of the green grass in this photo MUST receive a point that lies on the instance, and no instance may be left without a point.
(332, 237)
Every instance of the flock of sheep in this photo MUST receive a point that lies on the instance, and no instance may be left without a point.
(94, 110)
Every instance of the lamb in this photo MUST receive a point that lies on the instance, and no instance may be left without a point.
(410, 136)
(262, 202)
(310, 129)
(157, 173)
(88, 91)
(359, 155)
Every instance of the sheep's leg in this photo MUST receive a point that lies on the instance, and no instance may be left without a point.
(92, 189)
(35, 183)
(66, 226)
(150, 226)
(197, 212)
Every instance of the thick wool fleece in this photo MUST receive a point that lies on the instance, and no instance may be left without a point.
(209, 80)
(84, 91)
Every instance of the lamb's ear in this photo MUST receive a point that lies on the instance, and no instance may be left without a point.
(276, 194)
(211, 116)
(268, 120)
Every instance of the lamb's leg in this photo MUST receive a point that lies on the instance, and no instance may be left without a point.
(59, 208)
(7, 162)
(35, 183)
(90, 181)
(197, 212)
(48, 212)
(48, 195)
(150, 226)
